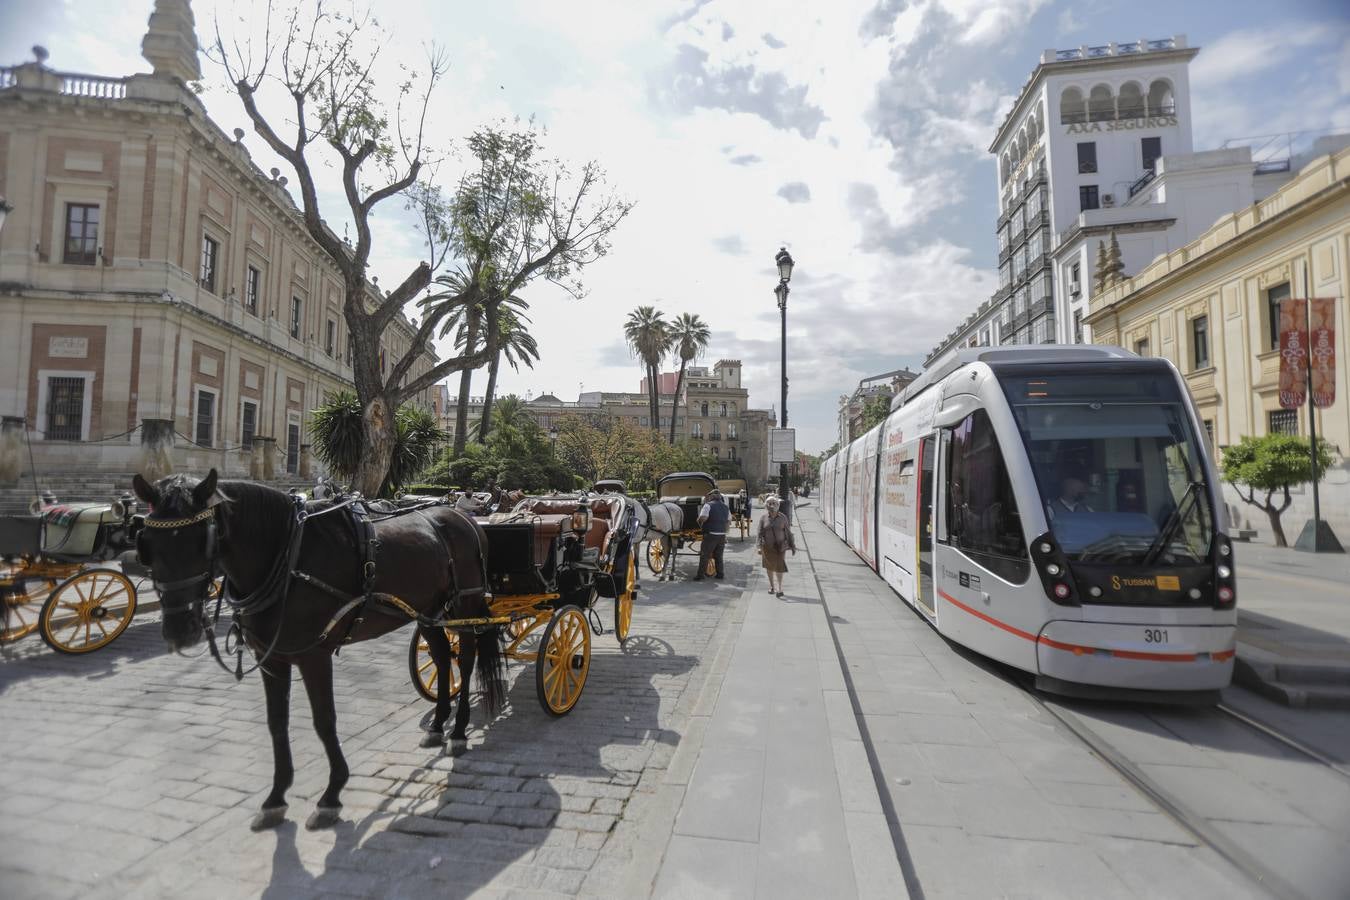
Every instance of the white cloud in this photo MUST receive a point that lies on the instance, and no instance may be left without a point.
(1250, 52)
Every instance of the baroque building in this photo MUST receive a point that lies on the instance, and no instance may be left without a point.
(160, 298)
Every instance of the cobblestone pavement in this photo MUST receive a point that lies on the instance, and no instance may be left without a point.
(132, 772)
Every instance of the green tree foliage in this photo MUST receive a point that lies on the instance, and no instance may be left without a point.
(338, 431)
(597, 446)
(517, 455)
(874, 411)
(1272, 463)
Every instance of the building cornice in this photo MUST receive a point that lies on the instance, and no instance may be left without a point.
(1078, 232)
(1096, 63)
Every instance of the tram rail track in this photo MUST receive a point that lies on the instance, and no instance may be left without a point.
(1178, 809)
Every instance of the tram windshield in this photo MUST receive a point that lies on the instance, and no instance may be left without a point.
(1118, 467)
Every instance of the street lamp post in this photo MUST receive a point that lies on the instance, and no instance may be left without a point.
(784, 262)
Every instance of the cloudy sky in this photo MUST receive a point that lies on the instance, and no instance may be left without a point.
(854, 132)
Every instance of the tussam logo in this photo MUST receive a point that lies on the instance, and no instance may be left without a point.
(1162, 582)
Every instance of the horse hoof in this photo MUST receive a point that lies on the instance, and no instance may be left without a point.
(432, 739)
(323, 817)
(458, 746)
(268, 817)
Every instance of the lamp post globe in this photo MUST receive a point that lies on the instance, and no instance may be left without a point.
(783, 260)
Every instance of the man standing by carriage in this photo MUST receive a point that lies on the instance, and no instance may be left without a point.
(713, 517)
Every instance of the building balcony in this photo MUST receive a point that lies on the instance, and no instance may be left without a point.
(1041, 306)
(1035, 181)
(1004, 254)
(1143, 181)
(1019, 320)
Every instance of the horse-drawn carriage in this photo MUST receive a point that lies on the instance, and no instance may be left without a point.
(737, 494)
(687, 491)
(548, 561)
(53, 558)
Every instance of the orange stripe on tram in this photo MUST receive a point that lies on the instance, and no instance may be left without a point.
(1080, 650)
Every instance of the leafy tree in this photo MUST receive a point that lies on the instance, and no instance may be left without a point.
(874, 411)
(689, 337)
(512, 219)
(338, 431)
(648, 336)
(1271, 463)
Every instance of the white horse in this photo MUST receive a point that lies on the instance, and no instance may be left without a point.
(655, 523)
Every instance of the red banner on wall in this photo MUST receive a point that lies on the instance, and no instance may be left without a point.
(1322, 349)
(1293, 353)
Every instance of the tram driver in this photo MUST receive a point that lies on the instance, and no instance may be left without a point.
(1072, 491)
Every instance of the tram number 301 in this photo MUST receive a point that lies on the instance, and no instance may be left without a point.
(1155, 635)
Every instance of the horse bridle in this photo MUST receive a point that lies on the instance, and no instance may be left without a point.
(208, 516)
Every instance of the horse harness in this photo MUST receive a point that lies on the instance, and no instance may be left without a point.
(275, 588)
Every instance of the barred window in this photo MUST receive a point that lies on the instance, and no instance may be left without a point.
(65, 409)
(206, 418)
(1283, 421)
(248, 424)
(1274, 296)
(252, 288)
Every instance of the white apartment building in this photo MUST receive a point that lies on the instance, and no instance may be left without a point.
(1087, 128)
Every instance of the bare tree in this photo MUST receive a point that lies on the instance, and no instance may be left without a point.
(324, 63)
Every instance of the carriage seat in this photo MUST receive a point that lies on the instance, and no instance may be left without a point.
(73, 529)
(605, 514)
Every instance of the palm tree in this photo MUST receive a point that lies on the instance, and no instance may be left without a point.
(517, 345)
(466, 322)
(649, 339)
(689, 337)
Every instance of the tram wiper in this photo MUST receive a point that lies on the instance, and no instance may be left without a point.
(1164, 538)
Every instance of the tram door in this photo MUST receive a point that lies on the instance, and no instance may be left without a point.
(927, 453)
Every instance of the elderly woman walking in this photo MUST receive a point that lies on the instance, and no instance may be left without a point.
(775, 539)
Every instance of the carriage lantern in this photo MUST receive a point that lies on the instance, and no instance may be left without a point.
(581, 519)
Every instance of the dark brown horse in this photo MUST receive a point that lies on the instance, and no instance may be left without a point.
(298, 597)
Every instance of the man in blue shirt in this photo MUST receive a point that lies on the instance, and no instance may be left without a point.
(713, 518)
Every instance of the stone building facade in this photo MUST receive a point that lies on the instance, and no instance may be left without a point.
(1211, 307)
(159, 295)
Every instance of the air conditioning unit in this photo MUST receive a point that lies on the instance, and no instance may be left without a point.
(1108, 200)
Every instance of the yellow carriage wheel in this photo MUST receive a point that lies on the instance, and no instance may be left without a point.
(422, 667)
(23, 596)
(564, 661)
(87, 611)
(623, 604)
(657, 548)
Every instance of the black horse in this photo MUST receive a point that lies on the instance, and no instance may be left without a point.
(299, 596)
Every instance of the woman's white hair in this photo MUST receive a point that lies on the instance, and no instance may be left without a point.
(772, 500)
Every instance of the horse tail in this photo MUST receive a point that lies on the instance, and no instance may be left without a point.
(491, 671)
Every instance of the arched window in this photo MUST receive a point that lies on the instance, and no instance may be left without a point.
(1005, 168)
(1131, 101)
(1101, 105)
(731, 452)
(724, 409)
(703, 409)
(731, 431)
(1161, 101)
(1071, 107)
(698, 429)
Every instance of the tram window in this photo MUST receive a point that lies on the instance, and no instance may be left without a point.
(981, 515)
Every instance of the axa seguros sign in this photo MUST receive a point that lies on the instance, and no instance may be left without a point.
(1122, 124)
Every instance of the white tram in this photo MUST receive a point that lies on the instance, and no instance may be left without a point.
(1052, 508)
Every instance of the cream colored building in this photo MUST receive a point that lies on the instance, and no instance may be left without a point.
(1210, 307)
(155, 284)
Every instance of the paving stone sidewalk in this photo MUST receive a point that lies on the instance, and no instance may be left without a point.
(132, 772)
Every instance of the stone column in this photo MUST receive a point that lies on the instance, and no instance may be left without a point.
(11, 448)
(264, 459)
(157, 443)
(305, 465)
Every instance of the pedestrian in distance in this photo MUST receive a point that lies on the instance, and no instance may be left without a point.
(775, 540)
(713, 517)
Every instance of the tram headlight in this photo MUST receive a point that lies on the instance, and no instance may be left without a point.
(1224, 549)
(1225, 572)
(1095, 591)
(1045, 547)
(1194, 593)
(1052, 569)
